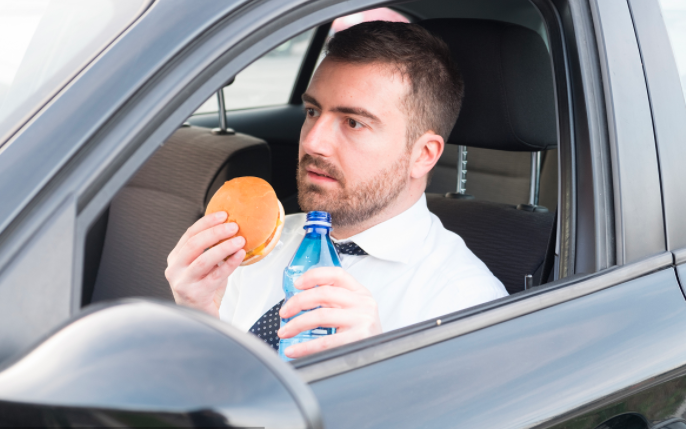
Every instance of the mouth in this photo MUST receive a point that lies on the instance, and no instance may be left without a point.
(318, 175)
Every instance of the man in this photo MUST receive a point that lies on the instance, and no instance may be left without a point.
(378, 111)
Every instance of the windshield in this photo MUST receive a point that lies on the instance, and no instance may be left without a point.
(43, 43)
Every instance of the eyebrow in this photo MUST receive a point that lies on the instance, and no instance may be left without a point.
(343, 109)
(310, 99)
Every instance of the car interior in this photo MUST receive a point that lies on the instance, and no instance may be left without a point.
(496, 184)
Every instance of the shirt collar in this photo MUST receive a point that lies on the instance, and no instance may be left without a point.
(398, 238)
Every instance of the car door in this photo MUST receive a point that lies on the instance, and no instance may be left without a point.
(659, 402)
(608, 354)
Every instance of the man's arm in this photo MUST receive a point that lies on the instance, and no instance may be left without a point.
(197, 277)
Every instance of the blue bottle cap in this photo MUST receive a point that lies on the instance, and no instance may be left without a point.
(318, 218)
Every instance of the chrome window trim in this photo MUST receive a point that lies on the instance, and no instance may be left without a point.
(679, 256)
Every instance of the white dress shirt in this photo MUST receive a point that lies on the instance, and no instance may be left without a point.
(415, 270)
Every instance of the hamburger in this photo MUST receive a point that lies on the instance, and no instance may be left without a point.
(251, 202)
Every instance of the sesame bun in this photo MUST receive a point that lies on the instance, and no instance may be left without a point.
(251, 202)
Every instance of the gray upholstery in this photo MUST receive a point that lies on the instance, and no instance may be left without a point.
(498, 176)
(511, 242)
(509, 107)
(168, 194)
(509, 99)
(508, 112)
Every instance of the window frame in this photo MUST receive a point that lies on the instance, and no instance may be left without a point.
(507, 308)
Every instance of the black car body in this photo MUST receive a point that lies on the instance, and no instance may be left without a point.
(601, 345)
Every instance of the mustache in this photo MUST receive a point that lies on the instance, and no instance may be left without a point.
(323, 165)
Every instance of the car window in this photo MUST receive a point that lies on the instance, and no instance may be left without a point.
(674, 14)
(273, 135)
(43, 43)
(270, 80)
(266, 82)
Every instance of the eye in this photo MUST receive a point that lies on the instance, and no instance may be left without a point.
(312, 113)
(354, 124)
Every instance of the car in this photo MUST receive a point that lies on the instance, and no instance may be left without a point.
(565, 174)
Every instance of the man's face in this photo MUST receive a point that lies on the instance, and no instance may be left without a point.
(354, 158)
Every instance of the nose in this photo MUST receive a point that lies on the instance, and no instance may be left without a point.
(316, 137)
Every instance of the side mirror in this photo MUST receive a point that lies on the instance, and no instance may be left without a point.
(147, 363)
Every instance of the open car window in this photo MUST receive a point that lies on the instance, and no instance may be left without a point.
(499, 178)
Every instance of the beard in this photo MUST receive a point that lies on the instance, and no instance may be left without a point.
(351, 204)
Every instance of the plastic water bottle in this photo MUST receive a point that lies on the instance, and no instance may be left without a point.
(316, 250)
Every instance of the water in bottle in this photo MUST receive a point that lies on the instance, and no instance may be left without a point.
(316, 250)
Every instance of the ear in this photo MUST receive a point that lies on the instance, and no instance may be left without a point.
(425, 154)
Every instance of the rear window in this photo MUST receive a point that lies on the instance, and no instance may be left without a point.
(43, 43)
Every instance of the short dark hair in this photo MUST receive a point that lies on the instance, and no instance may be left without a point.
(436, 86)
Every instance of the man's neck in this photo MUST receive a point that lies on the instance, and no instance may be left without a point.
(402, 203)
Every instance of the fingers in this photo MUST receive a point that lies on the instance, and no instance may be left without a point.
(322, 317)
(334, 276)
(207, 261)
(223, 269)
(320, 344)
(221, 274)
(202, 224)
(198, 278)
(346, 305)
(206, 294)
(196, 245)
(326, 296)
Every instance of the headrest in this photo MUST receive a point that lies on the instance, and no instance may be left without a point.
(509, 101)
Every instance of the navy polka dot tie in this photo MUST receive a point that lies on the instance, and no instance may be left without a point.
(267, 325)
(349, 248)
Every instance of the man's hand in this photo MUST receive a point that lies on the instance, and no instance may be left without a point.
(346, 305)
(198, 278)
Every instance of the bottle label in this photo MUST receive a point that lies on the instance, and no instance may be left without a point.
(323, 331)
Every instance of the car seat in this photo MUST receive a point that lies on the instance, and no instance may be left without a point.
(496, 175)
(169, 193)
(509, 105)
